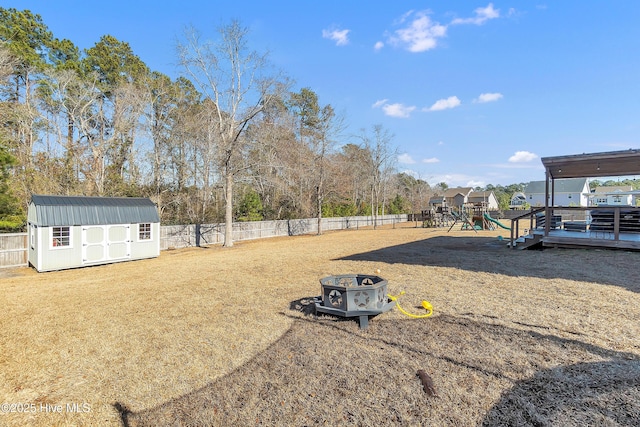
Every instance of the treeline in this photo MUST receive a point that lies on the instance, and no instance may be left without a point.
(227, 138)
(626, 182)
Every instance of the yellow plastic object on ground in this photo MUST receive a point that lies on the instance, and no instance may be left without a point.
(425, 304)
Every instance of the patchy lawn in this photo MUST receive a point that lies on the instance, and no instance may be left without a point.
(228, 337)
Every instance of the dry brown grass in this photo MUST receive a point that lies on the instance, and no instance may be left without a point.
(226, 336)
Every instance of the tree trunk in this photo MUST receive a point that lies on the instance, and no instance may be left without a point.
(319, 202)
(228, 212)
(373, 208)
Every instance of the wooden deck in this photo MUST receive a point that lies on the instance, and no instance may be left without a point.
(610, 227)
(589, 239)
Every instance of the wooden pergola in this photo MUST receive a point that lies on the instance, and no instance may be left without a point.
(592, 165)
(609, 226)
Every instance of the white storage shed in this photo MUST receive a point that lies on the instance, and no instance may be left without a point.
(73, 231)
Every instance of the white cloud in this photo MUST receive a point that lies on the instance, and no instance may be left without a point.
(378, 46)
(522, 157)
(534, 165)
(444, 104)
(440, 142)
(475, 183)
(488, 97)
(412, 173)
(406, 159)
(404, 17)
(394, 110)
(456, 180)
(379, 103)
(420, 35)
(397, 110)
(431, 160)
(482, 15)
(341, 37)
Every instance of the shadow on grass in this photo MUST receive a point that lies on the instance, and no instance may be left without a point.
(490, 255)
(596, 393)
(306, 306)
(327, 371)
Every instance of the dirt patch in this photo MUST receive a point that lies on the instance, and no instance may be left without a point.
(331, 372)
(228, 337)
(9, 272)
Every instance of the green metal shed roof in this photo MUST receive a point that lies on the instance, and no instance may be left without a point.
(49, 211)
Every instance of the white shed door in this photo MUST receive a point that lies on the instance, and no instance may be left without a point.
(103, 243)
(94, 243)
(119, 243)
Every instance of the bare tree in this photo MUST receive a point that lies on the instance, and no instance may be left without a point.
(78, 97)
(272, 160)
(319, 127)
(352, 172)
(381, 165)
(92, 151)
(126, 116)
(237, 83)
(330, 126)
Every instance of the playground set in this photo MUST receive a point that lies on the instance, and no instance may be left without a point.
(469, 218)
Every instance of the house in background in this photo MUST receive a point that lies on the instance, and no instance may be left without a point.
(518, 201)
(465, 197)
(437, 202)
(457, 197)
(567, 192)
(619, 195)
(73, 231)
(484, 199)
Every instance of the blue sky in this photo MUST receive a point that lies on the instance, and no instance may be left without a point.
(474, 92)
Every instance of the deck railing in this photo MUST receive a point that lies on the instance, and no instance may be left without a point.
(515, 224)
(613, 223)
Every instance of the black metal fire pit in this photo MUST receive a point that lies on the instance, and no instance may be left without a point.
(351, 295)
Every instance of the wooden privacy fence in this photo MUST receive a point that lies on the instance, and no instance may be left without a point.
(13, 247)
(180, 236)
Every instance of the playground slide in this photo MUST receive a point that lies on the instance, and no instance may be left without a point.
(498, 223)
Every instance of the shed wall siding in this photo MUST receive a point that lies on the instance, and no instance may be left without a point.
(32, 244)
(145, 248)
(105, 248)
(59, 258)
